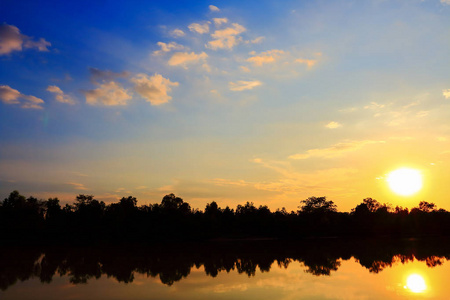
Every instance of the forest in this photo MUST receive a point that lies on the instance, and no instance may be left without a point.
(87, 220)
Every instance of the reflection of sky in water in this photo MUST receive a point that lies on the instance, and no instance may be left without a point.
(350, 281)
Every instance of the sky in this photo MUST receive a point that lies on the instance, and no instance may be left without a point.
(230, 101)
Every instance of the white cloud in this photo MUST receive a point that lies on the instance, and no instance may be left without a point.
(447, 2)
(335, 150)
(213, 8)
(226, 38)
(446, 92)
(154, 88)
(242, 85)
(199, 28)
(185, 58)
(167, 47)
(11, 96)
(265, 57)
(60, 96)
(109, 94)
(333, 125)
(12, 40)
(177, 33)
(219, 21)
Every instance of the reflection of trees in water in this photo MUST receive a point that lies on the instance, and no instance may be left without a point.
(171, 263)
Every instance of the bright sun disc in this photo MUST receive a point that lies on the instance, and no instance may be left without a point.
(405, 181)
(415, 283)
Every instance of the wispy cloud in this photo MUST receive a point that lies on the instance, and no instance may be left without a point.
(333, 125)
(226, 38)
(446, 92)
(308, 62)
(374, 106)
(77, 186)
(213, 8)
(265, 57)
(12, 40)
(199, 28)
(12, 96)
(242, 85)
(154, 89)
(292, 183)
(167, 47)
(109, 94)
(177, 33)
(185, 58)
(335, 150)
(227, 182)
(60, 96)
(219, 21)
(98, 75)
(257, 40)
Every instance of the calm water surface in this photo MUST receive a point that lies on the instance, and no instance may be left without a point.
(330, 269)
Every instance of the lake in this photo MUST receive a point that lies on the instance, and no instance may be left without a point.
(309, 269)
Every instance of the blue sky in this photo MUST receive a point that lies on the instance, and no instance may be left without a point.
(231, 101)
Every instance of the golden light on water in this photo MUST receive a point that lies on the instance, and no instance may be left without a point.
(415, 283)
(405, 181)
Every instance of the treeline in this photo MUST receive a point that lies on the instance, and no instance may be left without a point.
(172, 262)
(87, 219)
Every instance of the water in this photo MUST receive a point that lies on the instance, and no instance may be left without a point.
(326, 269)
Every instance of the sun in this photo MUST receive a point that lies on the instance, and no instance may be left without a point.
(405, 181)
(415, 283)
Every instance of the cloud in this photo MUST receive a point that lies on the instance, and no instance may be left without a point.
(199, 28)
(242, 85)
(167, 47)
(215, 8)
(308, 62)
(77, 186)
(11, 96)
(295, 183)
(335, 150)
(154, 89)
(447, 2)
(60, 96)
(177, 33)
(227, 182)
(185, 58)
(374, 106)
(446, 92)
(109, 94)
(106, 75)
(257, 40)
(226, 38)
(333, 125)
(219, 21)
(12, 40)
(265, 57)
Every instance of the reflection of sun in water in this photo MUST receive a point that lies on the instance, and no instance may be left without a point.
(405, 181)
(415, 283)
